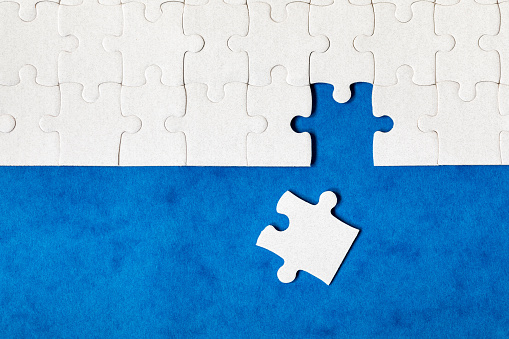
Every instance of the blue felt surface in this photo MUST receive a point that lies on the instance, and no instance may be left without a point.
(170, 252)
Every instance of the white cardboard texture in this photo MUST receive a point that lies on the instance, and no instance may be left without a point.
(216, 65)
(37, 43)
(468, 132)
(90, 64)
(278, 7)
(499, 43)
(341, 65)
(405, 144)
(286, 43)
(315, 242)
(216, 133)
(153, 103)
(21, 108)
(467, 64)
(413, 43)
(279, 103)
(162, 43)
(90, 132)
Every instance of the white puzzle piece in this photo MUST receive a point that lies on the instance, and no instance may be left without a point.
(216, 65)
(153, 103)
(341, 65)
(467, 64)
(468, 132)
(36, 43)
(499, 43)
(271, 43)
(90, 64)
(21, 108)
(279, 103)
(395, 43)
(162, 43)
(315, 242)
(90, 132)
(405, 144)
(216, 133)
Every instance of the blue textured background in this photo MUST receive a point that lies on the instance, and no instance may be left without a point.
(164, 252)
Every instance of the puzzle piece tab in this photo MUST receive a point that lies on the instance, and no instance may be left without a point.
(315, 242)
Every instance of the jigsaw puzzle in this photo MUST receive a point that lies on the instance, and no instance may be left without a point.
(200, 76)
(315, 242)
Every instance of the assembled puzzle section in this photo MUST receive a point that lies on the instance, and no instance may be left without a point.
(218, 82)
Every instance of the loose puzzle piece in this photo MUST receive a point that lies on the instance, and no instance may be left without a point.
(341, 65)
(468, 132)
(216, 65)
(153, 103)
(499, 43)
(36, 43)
(271, 43)
(162, 43)
(467, 64)
(279, 103)
(90, 65)
(405, 144)
(315, 242)
(216, 133)
(395, 43)
(21, 108)
(90, 132)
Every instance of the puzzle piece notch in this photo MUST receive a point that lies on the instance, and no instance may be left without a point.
(216, 133)
(90, 132)
(341, 65)
(153, 8)
(22, 106)
(27, 8)
(279, 103)
(405, 144)
(467, 64)
(153, 103)
(412, 43)
(404, 11)
(287, 43)
(216, 65)
(278, 12)
(162, 43)
(468, 132)
(36, 43)
(503, 100)
(315, 241)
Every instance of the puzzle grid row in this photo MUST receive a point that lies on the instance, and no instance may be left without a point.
(84, 82)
